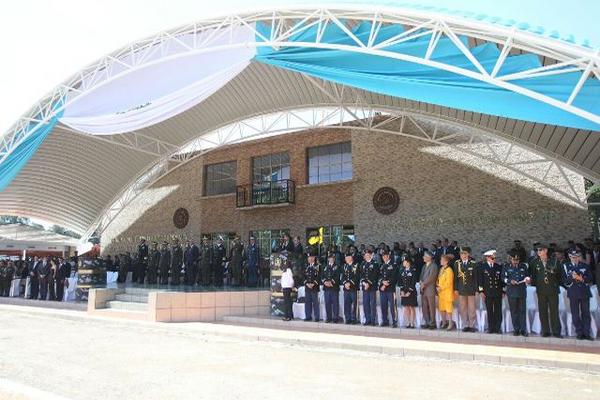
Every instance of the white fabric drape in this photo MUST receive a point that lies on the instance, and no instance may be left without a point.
(176, 76)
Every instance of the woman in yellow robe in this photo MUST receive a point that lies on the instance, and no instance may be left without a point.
(445, 289)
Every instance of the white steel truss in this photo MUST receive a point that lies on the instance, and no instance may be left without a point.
(436, 130)
(286, 22)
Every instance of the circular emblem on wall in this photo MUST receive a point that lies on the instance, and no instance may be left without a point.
(386, 200)
(181, 218)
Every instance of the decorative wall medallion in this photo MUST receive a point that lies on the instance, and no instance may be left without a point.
(181, 218)
(386, 200)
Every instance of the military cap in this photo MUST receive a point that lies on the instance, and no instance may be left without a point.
(575, 253)
(514, 254)
(490, 253)
(465, 249)
(408, 258)
(541, 246)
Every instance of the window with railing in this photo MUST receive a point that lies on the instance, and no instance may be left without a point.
(266, 193)
(271, 167)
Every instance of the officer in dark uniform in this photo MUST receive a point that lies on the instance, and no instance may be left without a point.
(142, 260)
(330, 278)
(577, 278)
(311, 287)
(7, 272)
(153, 263)
(546, 276)
(220, 256)
(206, 262)
(236, 258)
(191, 255)
(492, 288)
(124, 267)
(465, 283)
(252, 261)
(369, 278)
(388, 278)
(164, 264)
(176, 263)
(515, 276)
(350, 280)
(34, 285)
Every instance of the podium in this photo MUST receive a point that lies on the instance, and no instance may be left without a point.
(91, 274)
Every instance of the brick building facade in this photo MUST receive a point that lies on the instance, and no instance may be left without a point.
(441, 195)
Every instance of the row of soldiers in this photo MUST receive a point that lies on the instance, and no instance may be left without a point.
(194, 265)
(468, 278)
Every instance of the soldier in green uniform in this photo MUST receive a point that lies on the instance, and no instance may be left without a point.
(153, 264)
(164, 264)
(7, 271)
(546, 277)
(206, 261)
(465, 284)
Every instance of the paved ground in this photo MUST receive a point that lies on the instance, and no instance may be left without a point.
(44, 357)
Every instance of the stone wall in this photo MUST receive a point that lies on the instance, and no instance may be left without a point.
(443, 193)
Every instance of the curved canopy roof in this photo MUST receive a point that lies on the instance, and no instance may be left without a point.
(87, 143)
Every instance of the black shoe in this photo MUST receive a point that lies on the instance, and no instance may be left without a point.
(516, 333)
(580, 337)
(588, 337)
(523, 333)
(366, 324)
(466, 329)
(348, 322)
(545, 335)
(374, 324)
(432, 327)
(327, 321)
(424, 326)
(307, 319)
(395, 325)
(558, 336)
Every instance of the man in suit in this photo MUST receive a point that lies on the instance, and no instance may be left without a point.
(34, 282)
(62, 272)
(206, 261)
(491, 288)
(427, 279)
(43, 270)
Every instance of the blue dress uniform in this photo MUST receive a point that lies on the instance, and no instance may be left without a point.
(350, 280)
(579, 296)
(331, 275)
(517, 295)
(388, 277)
(369, 278)
(311, 295)
(491, 285)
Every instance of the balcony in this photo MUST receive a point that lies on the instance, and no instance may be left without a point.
(266, 193)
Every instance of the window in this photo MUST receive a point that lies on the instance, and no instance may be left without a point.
(330, 163)
(220, 178)
(271, 167)
(268, 239)
(340, 235)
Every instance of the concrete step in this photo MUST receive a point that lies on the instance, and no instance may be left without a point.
(137, 298)
(138, 291)
(127, 306)
(119, 313)
(456, 336)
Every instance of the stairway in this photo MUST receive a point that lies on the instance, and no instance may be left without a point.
(132, 304)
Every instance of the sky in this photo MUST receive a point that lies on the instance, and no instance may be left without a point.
(43, 42)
